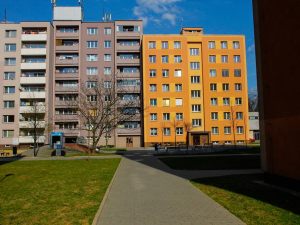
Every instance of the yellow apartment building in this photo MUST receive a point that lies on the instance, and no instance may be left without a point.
(194, 88)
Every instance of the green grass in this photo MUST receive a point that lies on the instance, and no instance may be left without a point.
(53, 192)
(78, 153)
(252, 202)
(212, 162)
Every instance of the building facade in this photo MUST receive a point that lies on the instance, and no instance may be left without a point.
(187, 88)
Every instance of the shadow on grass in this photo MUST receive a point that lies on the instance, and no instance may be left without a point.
(248, 185)
(5, 160)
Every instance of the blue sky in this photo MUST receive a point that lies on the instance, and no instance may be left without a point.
(160, 16)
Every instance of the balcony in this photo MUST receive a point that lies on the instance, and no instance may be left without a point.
(34, 94)
(29, 139)
(67, 34)
(66, 76)
(33, 66)
(29, 124)
(34, 37)
(66, 118)
(68, 132)
(32, 80)
(64, 104)
(73, 61)
(128, 48)
(129, 103)
(67, 48)
(33, 51)
(124, 61)
(128, 89)
(126, 34)
(28, 109)
(125, 131)
(131, 75)
(63, 89)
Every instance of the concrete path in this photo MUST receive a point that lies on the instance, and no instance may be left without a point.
(146, 192)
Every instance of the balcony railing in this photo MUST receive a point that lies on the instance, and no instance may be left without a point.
(34, 37)
(33, 66)
(32, 80)
(73, 61)
(64, 89)
(66, 48)
(127, 61)
(30, 124)
(126, 131)
(29, 139)
(33, 51)
(64, 117)
(134, 48)
(33, 94)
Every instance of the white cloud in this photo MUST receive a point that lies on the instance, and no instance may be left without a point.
(157, 11)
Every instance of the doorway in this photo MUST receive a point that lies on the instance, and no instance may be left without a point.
(129, 142)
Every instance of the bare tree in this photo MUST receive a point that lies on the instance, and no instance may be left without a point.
(188, 127)
(34, 119)
(101, 110)
(162, 128)
(233, 120)
(175, 124)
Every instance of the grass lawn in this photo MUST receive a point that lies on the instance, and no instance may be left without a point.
(213, 162)
(53, 192)
(252, 202)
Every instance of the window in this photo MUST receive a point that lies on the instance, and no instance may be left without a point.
(9, 89)
(179, 130)
(237, 72)
(178, 102)
(196, 122)
(211, 44)
(212, 59)
(91, 57)
(167, 131)
(177, 44)
(165, 87)
(92, 31)
(165, 59)
(165, 73)
(164, 44)
(91, 84)
(9, 75)
(213, 87)
(10, 61)
(225, 87)
(107, 57)
(107, 84)
(214, 101)
(195, 65)
(177, 73)
(236, 44)
(196, 108)
(179, 116)
(239, 115)
(92, 44)
(215, 130)
(8, 118)
(107, 31)
(195, 93)
(153, 101)
(224, 45)
(177, 59)
(166, 102)
(107, 98)
(166, 116)
(91, 70)
(240, 129)
(238, 86)
(237, 58)
(152, 45)
(238, 101)
(152, 73)
(152, 58)
(226, 101)
(214, 116)
(225, 73)
(153, 87)
(212, 72)
(8, 133)
(107, 44)
(9, 104)
(153, 131)
(10, 33)
(153, 116)
(224, 58)
(92, 98)
(227, 116)
(10, 47)
(194, 51)
(107, 71)
(178, 87)
(227, 130)
(195, 79)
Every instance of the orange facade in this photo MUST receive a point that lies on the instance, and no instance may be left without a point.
(204, 90)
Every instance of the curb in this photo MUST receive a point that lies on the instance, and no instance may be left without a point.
(97, 216)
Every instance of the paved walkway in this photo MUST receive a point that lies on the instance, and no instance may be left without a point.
(146, 192)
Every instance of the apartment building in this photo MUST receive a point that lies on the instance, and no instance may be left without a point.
(195, 88)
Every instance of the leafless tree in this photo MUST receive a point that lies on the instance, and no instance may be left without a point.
(175, 124)
(188, 127)
(101, 108)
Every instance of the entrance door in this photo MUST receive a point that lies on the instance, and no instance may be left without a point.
(196, 140)
(129, 142)
(204, 139)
